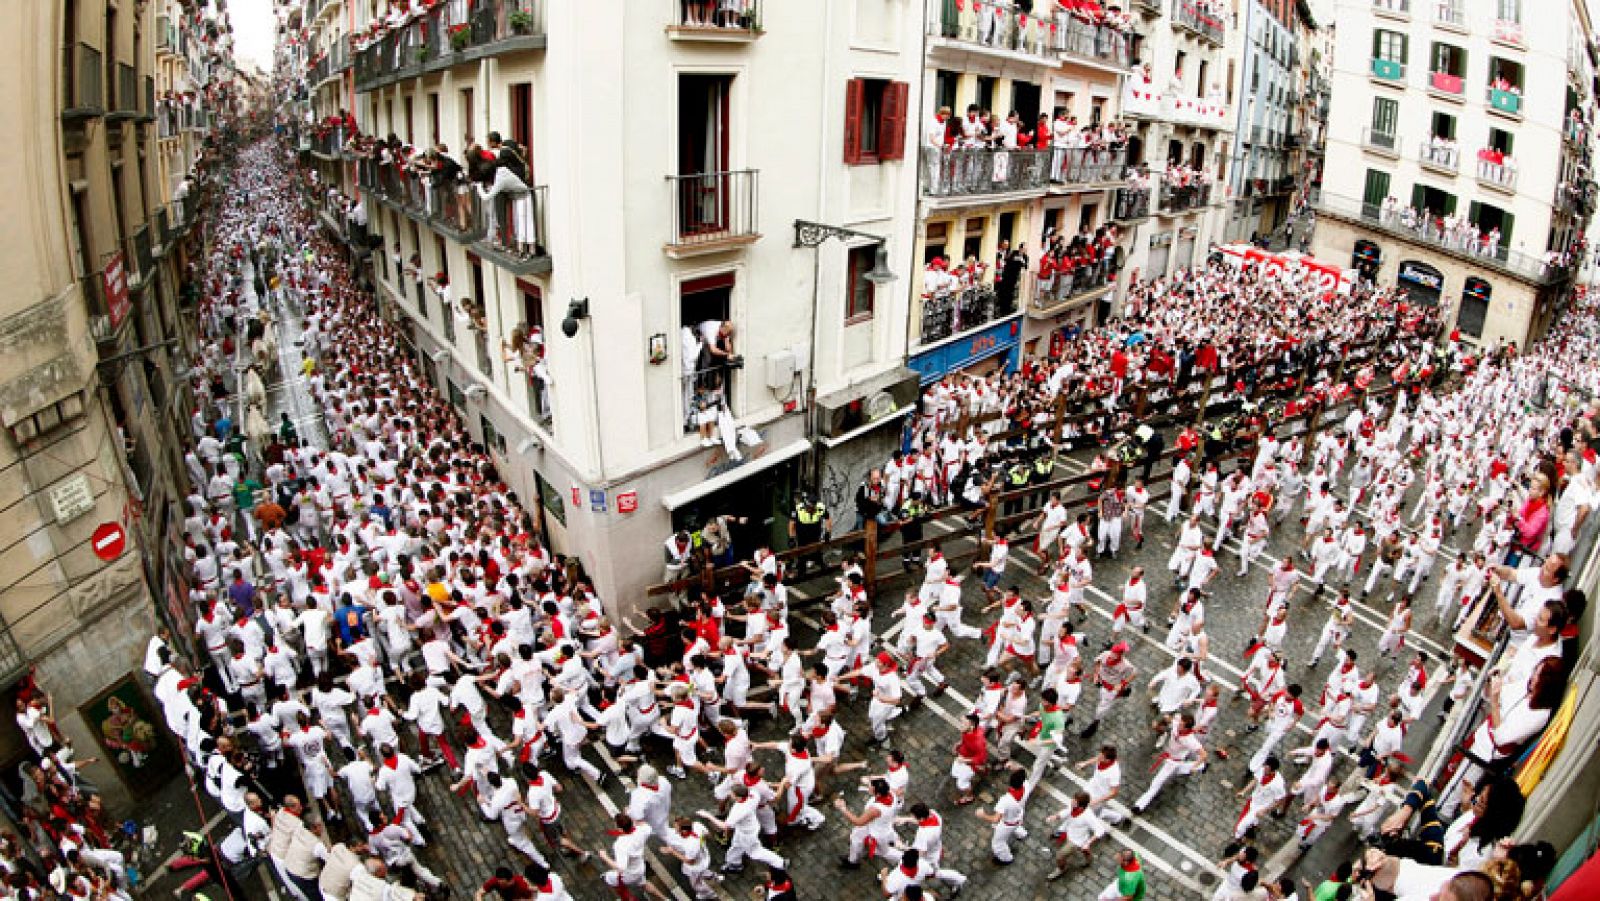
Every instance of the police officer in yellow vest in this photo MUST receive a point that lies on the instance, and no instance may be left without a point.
(912, 514)
(1016, 476)
(1044, 467)
(809, 525)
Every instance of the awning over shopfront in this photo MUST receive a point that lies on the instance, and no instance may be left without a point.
(717, 483)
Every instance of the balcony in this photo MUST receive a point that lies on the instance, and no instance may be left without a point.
(1131, 204)
(1388, 71)
(984, 173)
(1449, 14)
(166, 36)
(1392, 222)
(1505, 101)
(127, 99)
(1055, 292)
(1507, 31)
(1497, 172)
(981, 172)
(161, 232)
(1205, 25)
(1444, 158)
(948, 313)
(435, 40)
(139, 259)
(738, 22)
(510, 227)
(1005, 28)
(712, 212)
(1177, 199)
(81, 87)
(1382, 142)
(1399, 9)
(1576, 132)
(1153, 7)
(514, 229)
(326, 143)
(1446, 83)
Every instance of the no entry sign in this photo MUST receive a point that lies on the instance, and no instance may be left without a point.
(108, 541)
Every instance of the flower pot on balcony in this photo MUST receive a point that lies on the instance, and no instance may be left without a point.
(521, 21)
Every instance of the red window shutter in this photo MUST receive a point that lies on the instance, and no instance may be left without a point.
(854, 100)
(892, 122)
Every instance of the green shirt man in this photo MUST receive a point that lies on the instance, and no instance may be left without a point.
(1129, 884)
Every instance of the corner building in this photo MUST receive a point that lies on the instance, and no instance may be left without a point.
(670, 161)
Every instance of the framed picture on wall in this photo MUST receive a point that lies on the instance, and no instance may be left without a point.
(125, 722)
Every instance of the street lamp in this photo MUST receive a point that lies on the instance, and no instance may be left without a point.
(814, 235)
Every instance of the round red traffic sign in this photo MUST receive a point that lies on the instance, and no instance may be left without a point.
(108, 541)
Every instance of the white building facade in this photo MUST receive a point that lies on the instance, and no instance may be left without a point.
(670, 161)
(1458, 158)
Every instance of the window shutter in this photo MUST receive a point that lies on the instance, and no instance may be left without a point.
(854, 96)
(892, 122)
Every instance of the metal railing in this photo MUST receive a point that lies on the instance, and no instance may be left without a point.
(1189, 15)
(1385, 141)
(137, 257)
(161, 229)
(1500, 175)
(1061, 288)
(1005, 26)
(1180, 198)
(979, 171)
(1504, 101)
(1426, 231)
(445, 30)
(1131, 203)
(1153, 7)
(1508, 31)
(1447, 82)
(723, 18)
(713, 206)
(1447, 158)
(514, 222)
(457, 209)
(1576, 131)
(480, 341)
(1388, 69)
(82, 86)
(948, 313)
(328, 143)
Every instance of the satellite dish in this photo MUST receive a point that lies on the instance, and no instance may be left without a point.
(879, 405)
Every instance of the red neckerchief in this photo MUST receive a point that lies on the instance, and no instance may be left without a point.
(931, 821)
(1102, 765)
(1016, 793)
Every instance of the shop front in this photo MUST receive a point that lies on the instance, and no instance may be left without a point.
(1422, 283)
(979, 352)
(1475, 296)
(1366, 259)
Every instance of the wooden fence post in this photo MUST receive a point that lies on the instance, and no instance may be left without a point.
(1205, 398)
(870, 568)
(1139, 402)
(989, 513)
(1061, 415)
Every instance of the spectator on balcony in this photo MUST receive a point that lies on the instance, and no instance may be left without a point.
(1009, 264)
(495, 175)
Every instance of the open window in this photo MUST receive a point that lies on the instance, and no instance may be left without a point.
(874, 120)
(708, 354)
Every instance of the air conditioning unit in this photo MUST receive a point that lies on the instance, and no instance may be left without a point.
(781, 367)
(869, 402)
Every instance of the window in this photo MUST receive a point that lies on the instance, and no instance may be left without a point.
(492, 439)
(1508, 10)
(1385, 116)
(522, 115)
(1444, 126)
(1449, 59)
(466, 116)
(551, 499)
(1501, 140)
(1377, 189)
(433, 118)
(944, 88)
(874, 120)
(985, 98)
(859, 291)
(411, 133)
(972, 246)
(457, 398)
(1389, 45)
